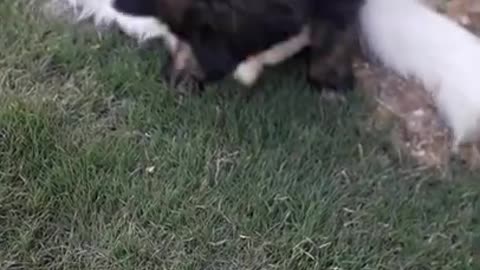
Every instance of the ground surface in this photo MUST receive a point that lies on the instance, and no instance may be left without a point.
(101, 167)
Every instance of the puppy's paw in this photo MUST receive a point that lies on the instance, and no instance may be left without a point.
(247, 72)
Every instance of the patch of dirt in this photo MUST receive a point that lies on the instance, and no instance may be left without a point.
(403, 107)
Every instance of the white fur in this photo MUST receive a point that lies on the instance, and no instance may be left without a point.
(416, 41)
(104, 15)
(248, 71)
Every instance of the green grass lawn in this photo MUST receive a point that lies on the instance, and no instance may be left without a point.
(101, 167)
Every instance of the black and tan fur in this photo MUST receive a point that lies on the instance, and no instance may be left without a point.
(223, 33)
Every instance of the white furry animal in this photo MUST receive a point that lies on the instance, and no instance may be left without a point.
(415, 41)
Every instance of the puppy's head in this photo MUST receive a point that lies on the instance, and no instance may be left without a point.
(197, 22)
(223, 33)
(200, 52)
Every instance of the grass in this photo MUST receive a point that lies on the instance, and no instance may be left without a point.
(101, 167)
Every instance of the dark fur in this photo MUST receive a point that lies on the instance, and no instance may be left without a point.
(331, 57)
(223, 33)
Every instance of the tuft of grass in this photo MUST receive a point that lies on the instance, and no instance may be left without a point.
(101, 167)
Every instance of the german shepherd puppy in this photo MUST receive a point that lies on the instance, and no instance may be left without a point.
(223, 33)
